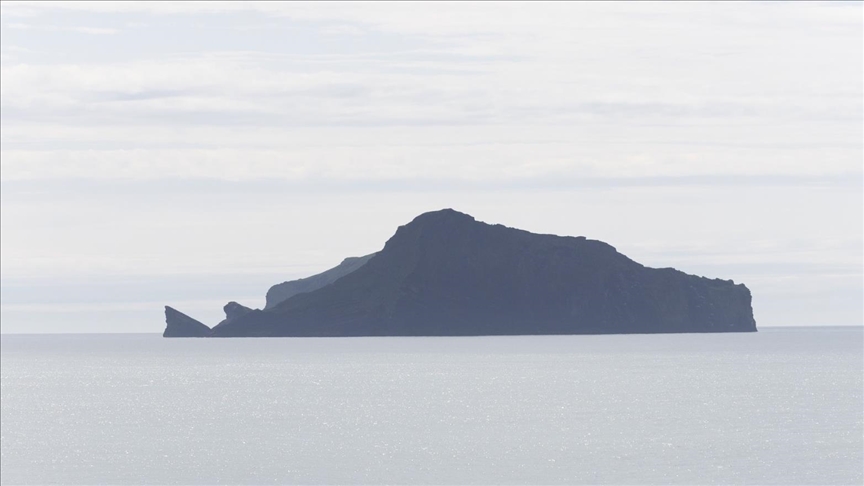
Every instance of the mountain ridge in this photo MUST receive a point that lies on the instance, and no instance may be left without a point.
(280, 292)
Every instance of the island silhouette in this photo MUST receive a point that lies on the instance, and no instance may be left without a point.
(447, 274)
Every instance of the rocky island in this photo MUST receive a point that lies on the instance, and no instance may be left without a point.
(446, 274)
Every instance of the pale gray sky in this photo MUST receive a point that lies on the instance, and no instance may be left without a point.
(193, 153)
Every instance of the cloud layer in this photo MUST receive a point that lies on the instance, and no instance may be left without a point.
(621, 73)
(149, 139)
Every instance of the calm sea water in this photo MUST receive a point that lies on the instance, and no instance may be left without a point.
(782, 406)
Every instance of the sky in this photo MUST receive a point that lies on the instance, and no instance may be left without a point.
(190, 154)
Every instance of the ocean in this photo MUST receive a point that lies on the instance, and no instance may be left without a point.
(781, 406)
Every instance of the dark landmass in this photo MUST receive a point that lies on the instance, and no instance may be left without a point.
(179, 324)
(445, 274)
(285, 290)
(233, 310)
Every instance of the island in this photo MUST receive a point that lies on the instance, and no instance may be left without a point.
(447, 274)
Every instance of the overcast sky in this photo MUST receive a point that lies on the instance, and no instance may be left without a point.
(190, 153)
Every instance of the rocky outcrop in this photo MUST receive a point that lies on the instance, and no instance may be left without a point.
(177, 320)
(446, 274)
(234, 310)
(179, 324)
(285, 290)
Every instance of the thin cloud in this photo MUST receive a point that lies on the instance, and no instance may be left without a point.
(94, 30)
(56, 28)
(702, 128)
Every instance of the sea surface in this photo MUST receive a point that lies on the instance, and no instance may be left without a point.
(782, 406)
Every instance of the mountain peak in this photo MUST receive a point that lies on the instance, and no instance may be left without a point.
(442, 215)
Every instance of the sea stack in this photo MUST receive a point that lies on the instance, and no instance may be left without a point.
(179, 324)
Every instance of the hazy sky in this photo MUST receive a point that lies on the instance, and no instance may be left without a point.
(191, 154)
